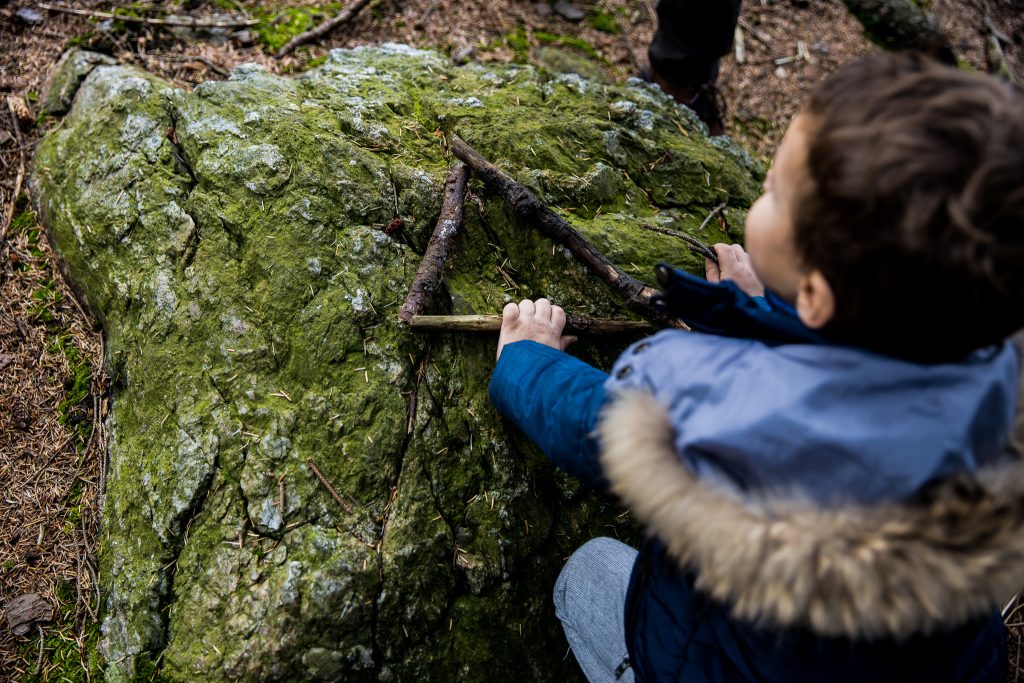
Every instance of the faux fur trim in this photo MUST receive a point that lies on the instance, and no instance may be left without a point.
(955, 553)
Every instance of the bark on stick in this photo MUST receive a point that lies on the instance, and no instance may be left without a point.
(440, 245)
(636, 293)
(492, 323)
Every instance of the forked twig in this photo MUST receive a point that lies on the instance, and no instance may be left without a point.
(428, 275)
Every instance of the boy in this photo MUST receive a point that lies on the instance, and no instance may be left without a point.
(825, 481)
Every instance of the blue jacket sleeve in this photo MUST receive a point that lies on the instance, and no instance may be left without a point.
(555, 399)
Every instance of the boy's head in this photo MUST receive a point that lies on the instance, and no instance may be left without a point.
(894, 213)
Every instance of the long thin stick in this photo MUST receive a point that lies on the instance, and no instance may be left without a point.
(18, 179)
(323, 480)
(637, 294)
(492, 323)
(188, 23)
(323, 29)
(440, 245)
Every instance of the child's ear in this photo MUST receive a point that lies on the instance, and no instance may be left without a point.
(815, 303)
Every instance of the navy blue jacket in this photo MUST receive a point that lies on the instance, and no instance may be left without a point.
(801, 498)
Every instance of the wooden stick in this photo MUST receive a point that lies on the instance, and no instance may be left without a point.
(18, 179)
(323, 29)
(637, 294)
(323, 480)
(492, 323)
(440, 245)
(188, 23)
(158, 57)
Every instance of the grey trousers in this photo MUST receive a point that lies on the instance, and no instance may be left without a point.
(590, 601)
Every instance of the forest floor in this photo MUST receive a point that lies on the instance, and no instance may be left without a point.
(53, 392)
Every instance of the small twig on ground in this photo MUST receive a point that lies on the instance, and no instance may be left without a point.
(9, 216)
(39, 659)
(428, 275)
(492, 323)
(323, 480)
(187, 23)
(281, 498)
(323, 29)
(637, 294)
(422, 21)
(714, 212)
(189, 58)
(761, 38)
(695, 245)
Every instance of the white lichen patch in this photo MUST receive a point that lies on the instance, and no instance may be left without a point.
(143, 133)
(574, 82)
(164, 298)
(270, 515)
(214, 127)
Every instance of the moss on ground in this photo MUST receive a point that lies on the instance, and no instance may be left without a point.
(69, 653)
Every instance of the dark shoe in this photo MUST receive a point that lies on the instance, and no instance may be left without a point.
(705, 101)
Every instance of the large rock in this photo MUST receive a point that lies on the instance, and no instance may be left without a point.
(230, 240)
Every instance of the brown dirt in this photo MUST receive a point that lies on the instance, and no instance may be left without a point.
(51, 452)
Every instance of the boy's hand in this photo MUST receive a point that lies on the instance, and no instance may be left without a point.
(537, 321)
(733, 264)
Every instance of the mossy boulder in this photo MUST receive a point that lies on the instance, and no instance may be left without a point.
(231, 242)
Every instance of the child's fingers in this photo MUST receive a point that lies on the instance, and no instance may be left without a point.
(543, 309)
(711, 271)
(558, 318)
(564, 342)
(510, 313)
(725, 253)
(737, 249)
(527, 309)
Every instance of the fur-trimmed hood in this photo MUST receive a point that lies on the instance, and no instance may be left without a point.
(954, 553)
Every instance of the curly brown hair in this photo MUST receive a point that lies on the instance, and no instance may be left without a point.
(913, 206)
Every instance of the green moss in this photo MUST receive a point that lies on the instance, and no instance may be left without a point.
(43, 297)
(605, 22)
(81, 375)
(573, 42)
(24, 221)
(519, 43)
(62, 655)
(280, 24)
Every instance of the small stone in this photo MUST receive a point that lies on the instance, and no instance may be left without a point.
(569, 11)
(29, 16)
(5, 137)
(25, 610)
(542, 9)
